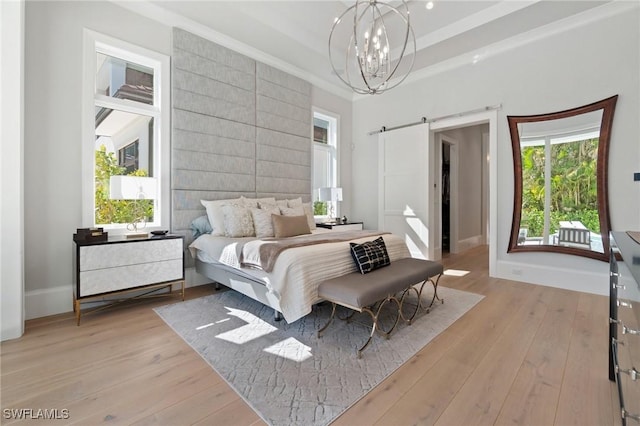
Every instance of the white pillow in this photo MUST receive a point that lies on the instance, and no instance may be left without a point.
(262, 221)
(215, 215)
(237, 221)
(255, 202)
(292, 211)
(308, 211)
(295, 202)
(282, 204)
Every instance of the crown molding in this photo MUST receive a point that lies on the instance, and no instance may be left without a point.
(616, 7)
(590, 16)
(172, 19)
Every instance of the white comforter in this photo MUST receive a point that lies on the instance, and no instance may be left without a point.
(298, 271)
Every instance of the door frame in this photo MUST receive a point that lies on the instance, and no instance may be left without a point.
(465, 120)
(442, 139)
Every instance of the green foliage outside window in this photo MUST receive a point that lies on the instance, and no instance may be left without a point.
(116, 211)
(573, 186)
(320, 208)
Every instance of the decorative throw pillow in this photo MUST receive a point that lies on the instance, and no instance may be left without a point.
(215, 215)
(308, 211)
(294, 202)
(237, 222)
(370, 255)
(289, 226)
(262, 221)
(200, 226)
(292, 211)
(255, 202)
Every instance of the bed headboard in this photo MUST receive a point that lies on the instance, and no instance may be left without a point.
(239, 127)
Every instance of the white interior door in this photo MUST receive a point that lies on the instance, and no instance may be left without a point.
(405, 187)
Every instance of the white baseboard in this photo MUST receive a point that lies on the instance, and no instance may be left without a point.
(59, 300)
(469, 243)
(568, 279)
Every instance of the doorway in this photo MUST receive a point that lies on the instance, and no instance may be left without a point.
(463, 208)
(446, 197)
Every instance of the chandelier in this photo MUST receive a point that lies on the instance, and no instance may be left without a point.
(370, 59)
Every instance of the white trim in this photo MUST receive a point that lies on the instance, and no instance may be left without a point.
(486, 164)
(469, 243)
(558, 27)
(172, 19)
(490, 116)
(582, 281)
(12, 42)
(95, 42)
(334, 147)
(470, 22)
(59, 300)
(48, 301)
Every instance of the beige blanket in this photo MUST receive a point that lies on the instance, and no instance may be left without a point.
(263, 253)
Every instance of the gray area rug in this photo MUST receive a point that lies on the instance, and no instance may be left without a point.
(285, 372)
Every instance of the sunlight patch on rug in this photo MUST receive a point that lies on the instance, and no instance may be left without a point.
(287, 374)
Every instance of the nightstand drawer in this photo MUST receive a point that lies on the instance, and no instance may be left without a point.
(105, 256)
(99, 281)
(349, 227)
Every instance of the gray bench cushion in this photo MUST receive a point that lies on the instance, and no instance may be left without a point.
(358, 291)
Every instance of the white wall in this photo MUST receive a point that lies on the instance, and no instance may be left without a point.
(52, 147)
(469, 179)
(53, 78)
(11, 169)
(564, 70)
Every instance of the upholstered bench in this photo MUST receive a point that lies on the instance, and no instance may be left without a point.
(361, 292)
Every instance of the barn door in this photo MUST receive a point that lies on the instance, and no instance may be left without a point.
(406, 188)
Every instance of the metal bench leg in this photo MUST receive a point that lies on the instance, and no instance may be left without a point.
(324, 327)
(435, 292)
(375, 327)
(409, 319)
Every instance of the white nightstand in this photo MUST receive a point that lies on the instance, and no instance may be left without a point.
(349, 226)
(119, 265)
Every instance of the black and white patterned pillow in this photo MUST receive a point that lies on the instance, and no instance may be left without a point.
(370, 255)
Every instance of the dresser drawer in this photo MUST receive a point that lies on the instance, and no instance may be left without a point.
(99, 281)
(105, 256)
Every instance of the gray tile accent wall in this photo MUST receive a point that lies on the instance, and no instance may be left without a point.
(239, 127)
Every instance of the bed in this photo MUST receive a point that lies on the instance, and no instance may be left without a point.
(289, 283)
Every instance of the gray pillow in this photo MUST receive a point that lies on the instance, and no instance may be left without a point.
(200, 226)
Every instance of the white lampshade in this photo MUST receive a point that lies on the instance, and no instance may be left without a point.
(132, 188)
(330, 194)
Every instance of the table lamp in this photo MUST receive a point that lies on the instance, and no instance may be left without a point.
(331, 196)
(133, 188)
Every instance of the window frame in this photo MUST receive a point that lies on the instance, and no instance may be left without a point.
(93, 43)
(332, 146)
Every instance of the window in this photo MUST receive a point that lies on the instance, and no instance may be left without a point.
(125, 130)
(325, 156)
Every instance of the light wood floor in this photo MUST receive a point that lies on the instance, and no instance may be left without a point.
(526, 355)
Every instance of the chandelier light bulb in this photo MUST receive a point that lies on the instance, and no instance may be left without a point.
(429, 5)
(366, 34)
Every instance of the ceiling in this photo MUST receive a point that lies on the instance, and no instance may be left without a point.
(294, 34)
